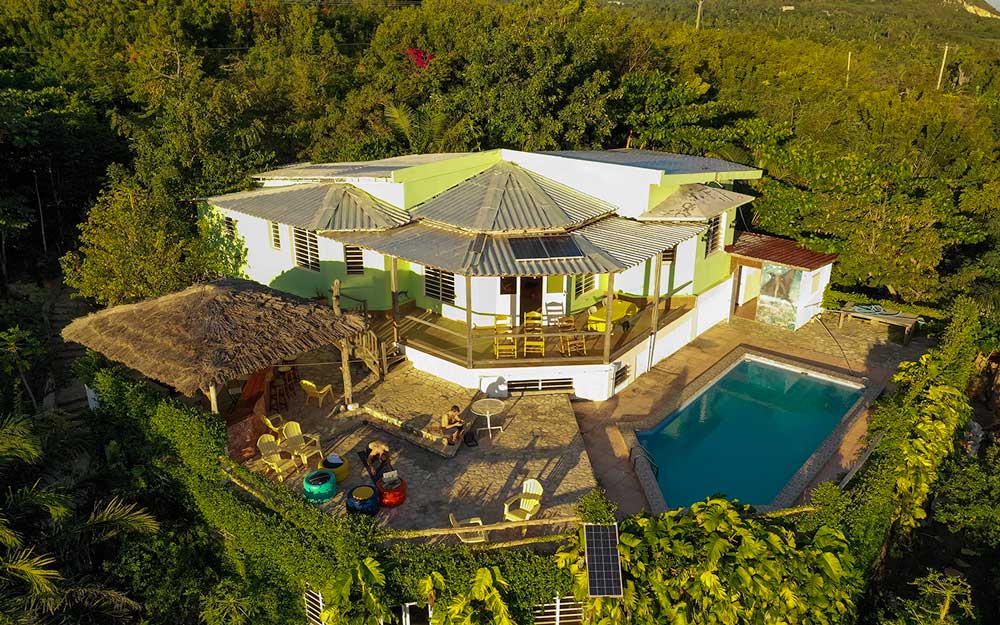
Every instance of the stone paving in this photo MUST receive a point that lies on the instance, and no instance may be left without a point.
(858, 349)
(540, 440)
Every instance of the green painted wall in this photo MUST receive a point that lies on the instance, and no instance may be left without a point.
(425, 181)
(710, 271)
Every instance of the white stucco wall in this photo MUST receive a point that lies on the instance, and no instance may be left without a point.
(589, 381)
(264, 263)
(625, 187)
(713, 305)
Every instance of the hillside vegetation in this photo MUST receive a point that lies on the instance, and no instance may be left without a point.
(115, 114)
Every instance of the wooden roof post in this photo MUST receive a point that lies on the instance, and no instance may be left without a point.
(468, 320)
(609, 311)
(345, 370)
(655, 321)
(394, 285)
(213, 397)
(335, 299)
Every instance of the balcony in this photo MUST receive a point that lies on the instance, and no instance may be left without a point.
(450, 339)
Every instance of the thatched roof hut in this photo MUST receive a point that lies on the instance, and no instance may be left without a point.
(211, 333)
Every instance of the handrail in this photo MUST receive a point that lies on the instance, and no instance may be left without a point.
(632, 453)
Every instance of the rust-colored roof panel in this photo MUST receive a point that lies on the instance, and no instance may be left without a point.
(779, 251)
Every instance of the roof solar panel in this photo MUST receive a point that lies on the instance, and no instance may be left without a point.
(561, 247)
(528, 248)
(604, 570)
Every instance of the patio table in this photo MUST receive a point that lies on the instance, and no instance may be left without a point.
(488, 407)
(620, 309)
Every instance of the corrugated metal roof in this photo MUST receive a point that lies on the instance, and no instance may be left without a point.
(382, 168)
(651, 159)
(317, 206)
(507, 198)
(696, 201)
(779, 251)
(610, 244)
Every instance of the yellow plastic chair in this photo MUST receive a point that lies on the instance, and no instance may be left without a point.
(524, 505)
(504, 345)
(270, 453)
(468, 537)
(302, 446)
(274, 423)
(318, 393)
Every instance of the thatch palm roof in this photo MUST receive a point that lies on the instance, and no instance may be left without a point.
(211, 333)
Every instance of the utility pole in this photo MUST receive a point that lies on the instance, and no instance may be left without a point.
(944, 59)
(847, 80)
(697, 20)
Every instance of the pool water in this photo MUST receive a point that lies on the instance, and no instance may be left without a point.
(746, 434)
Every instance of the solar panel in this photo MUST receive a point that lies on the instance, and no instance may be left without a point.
(604, 569)
(528, 248)
(545, 247)
(562, 247)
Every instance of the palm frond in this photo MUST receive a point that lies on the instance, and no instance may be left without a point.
(8, 537)
(17, 441)
(94, 597)
(401, 118)
(34, 570)
(36, 497)
(117, 517)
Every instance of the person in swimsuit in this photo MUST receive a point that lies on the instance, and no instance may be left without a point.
(451, 424)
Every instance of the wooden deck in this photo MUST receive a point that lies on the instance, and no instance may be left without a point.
(447, 338)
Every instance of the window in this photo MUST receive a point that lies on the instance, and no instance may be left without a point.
(306, 249)
(355, 260)
(229, 226)
(714, 235)
(583, 284)
(668, 256)
(275, 231)
(508, 286)
(439, 285)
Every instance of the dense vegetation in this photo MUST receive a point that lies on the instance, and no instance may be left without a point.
(115, 114)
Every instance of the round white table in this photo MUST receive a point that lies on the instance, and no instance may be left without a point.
(487, 408)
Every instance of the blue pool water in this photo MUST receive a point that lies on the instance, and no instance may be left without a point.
(745, 435)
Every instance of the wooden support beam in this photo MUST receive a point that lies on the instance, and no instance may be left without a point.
(655, 320)
(465, 529)
(335, 296)
(213, 397)
(468, 320)
(394, 285)
(609, 312)
(345, 370)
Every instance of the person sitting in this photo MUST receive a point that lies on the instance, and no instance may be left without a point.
(451, 424)
(378, 456)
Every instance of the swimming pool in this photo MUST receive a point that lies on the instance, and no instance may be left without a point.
(747, 433)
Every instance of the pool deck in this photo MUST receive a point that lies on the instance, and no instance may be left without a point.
(869, 353)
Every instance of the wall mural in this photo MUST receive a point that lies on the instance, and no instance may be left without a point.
(779, 295)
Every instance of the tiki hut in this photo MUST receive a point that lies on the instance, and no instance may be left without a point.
(206, 335)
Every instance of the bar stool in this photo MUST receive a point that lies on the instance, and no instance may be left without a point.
(288, 376)
(279, 394)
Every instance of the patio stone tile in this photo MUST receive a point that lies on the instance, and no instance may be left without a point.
(540, 440)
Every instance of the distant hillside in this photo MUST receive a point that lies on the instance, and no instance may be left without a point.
(890, 21)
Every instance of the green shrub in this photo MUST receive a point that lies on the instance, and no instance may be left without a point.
(595, 507)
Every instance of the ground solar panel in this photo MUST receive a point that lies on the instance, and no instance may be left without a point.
(604, 570)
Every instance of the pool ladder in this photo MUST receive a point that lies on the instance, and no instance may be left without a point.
(639, 450)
